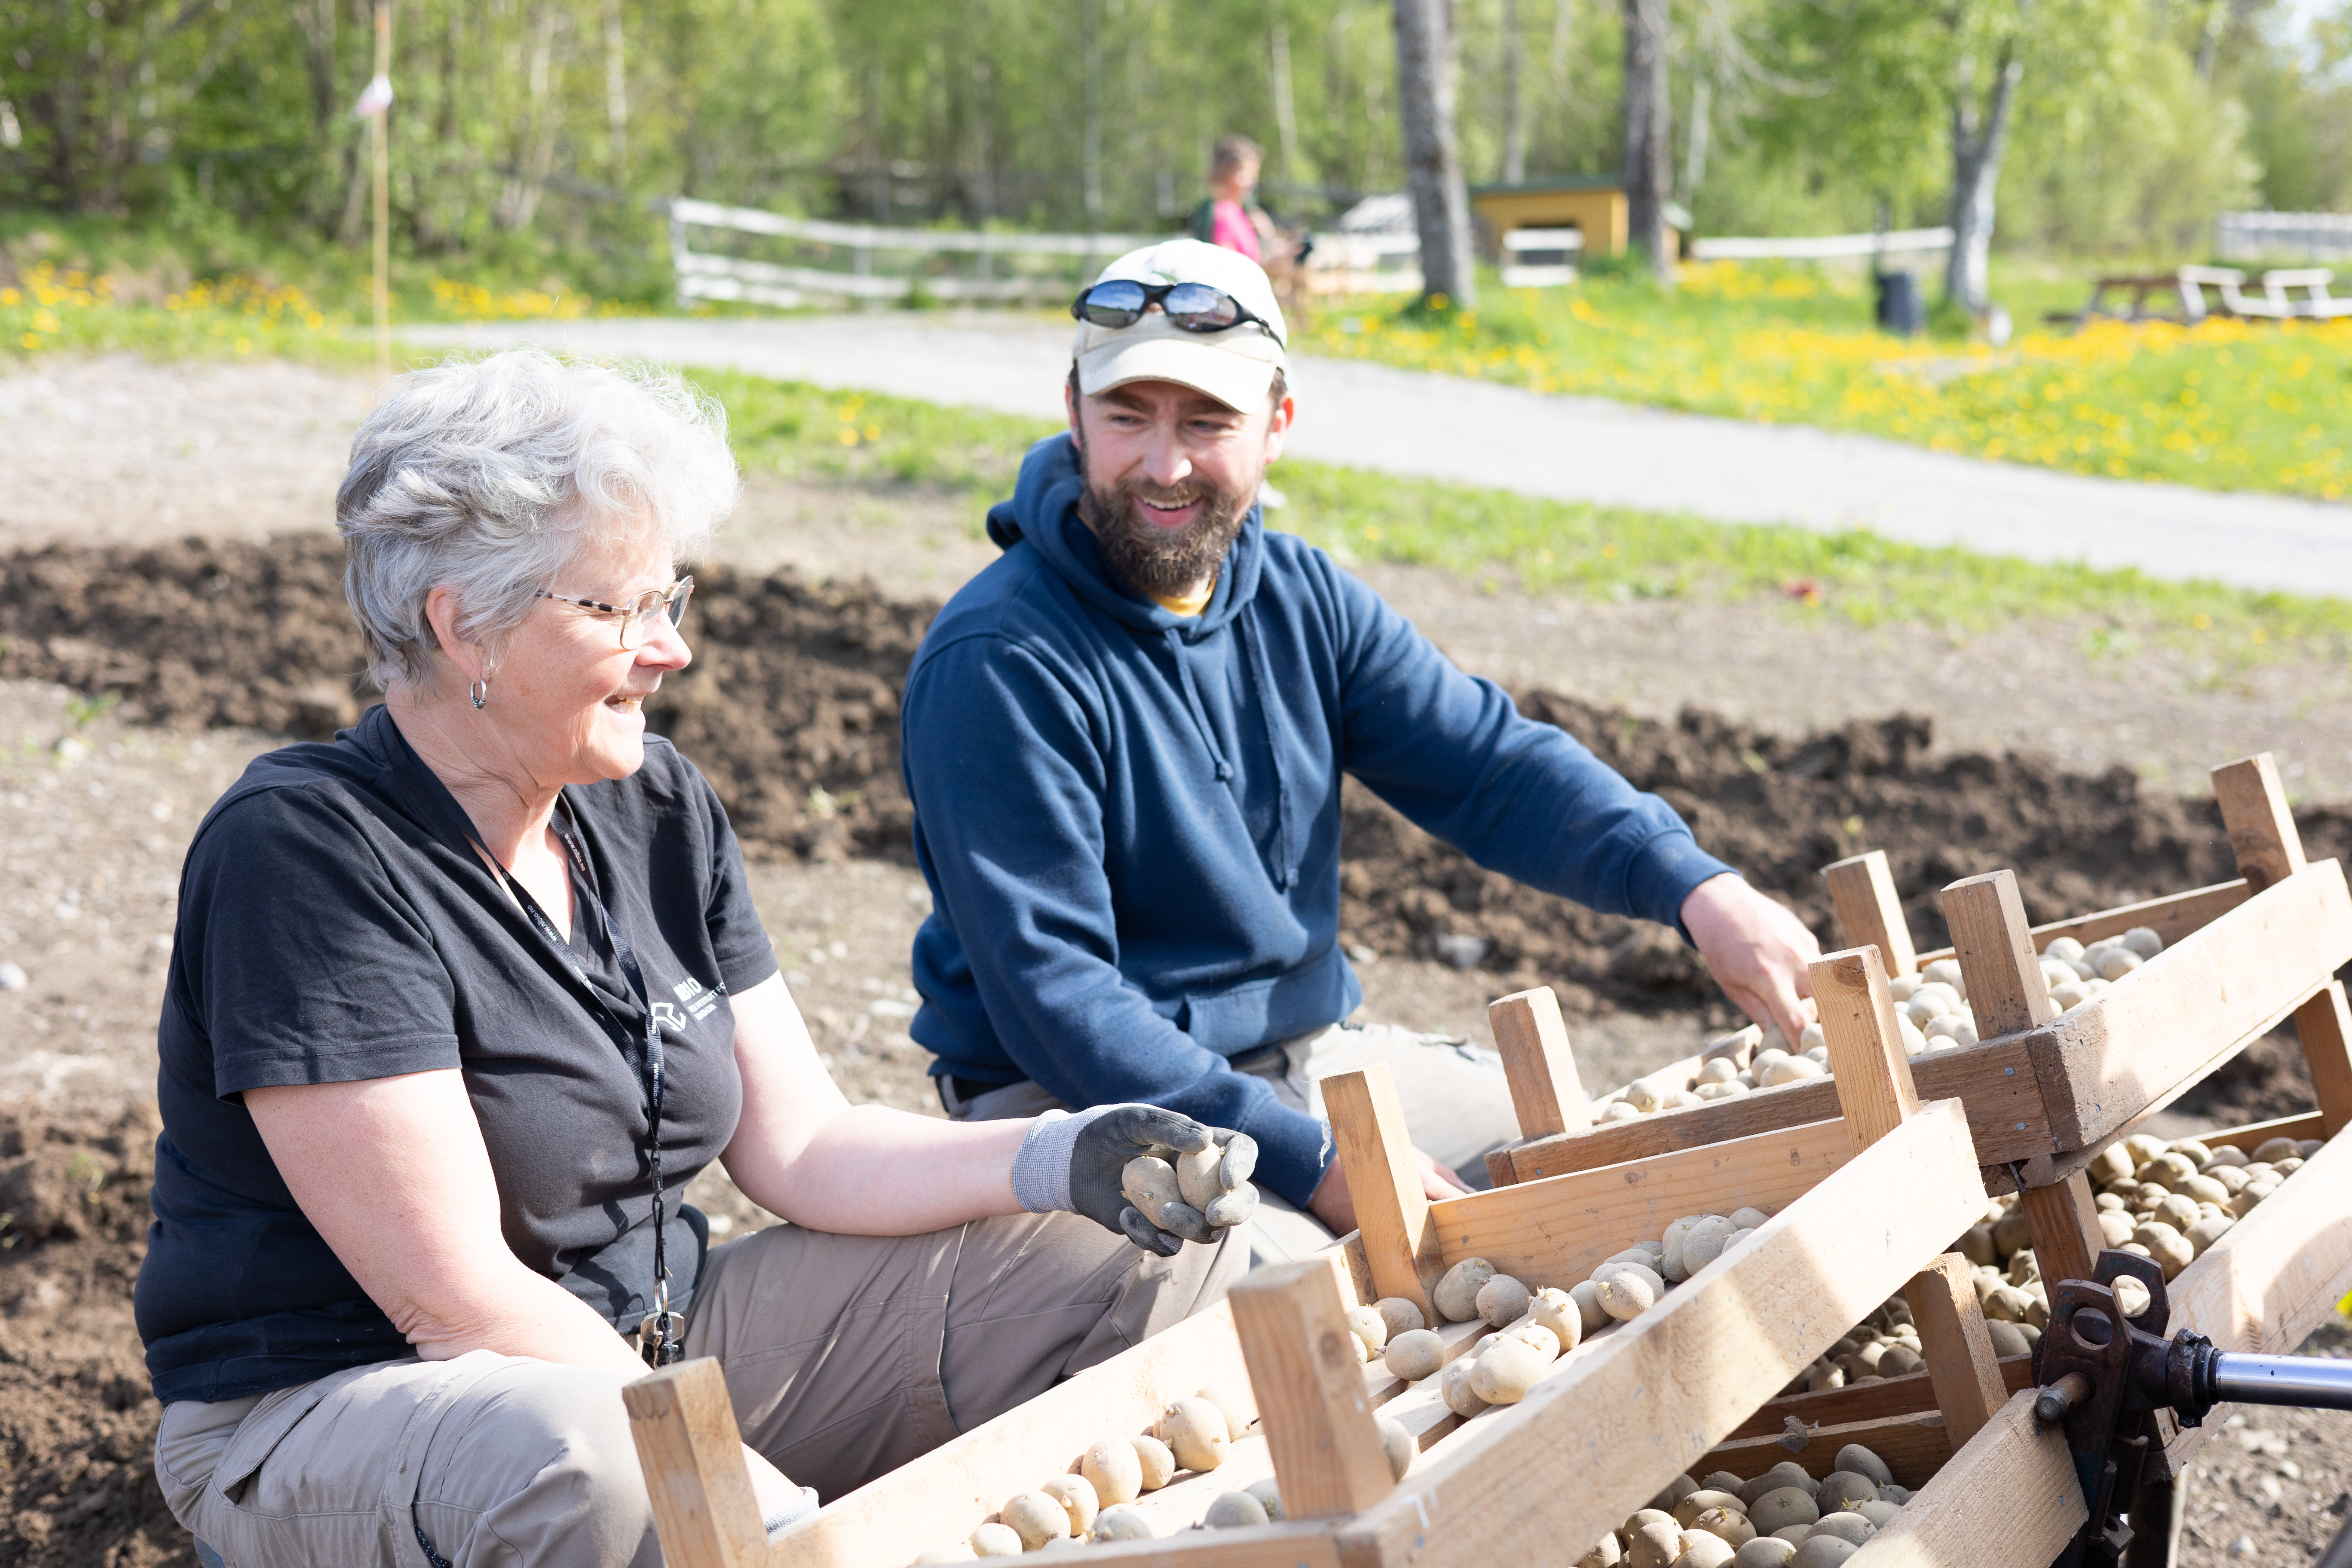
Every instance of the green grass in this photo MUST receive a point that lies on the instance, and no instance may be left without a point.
(1604, 553)
(2224, 405)
(1592, 551)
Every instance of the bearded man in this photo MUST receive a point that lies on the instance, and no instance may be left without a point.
(1125, 742)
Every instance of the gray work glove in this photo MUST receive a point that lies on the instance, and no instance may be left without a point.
(1125, 1166)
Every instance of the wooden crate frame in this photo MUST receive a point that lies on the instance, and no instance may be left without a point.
(1862, 1203)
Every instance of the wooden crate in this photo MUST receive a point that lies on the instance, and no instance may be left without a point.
(1861, 1204)
(2046, 1092)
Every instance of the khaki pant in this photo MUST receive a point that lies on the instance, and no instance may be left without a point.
(846, 1356)
(1457, 1106)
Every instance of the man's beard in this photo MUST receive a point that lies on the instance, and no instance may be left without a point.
(1152, 558)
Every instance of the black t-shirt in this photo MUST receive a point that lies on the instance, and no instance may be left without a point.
(334, 925)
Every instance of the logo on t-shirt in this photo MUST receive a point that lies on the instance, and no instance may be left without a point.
(698, 1000)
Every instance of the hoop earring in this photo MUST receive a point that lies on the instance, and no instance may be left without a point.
(480, 693)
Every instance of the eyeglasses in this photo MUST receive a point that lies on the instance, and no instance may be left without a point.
(637, 615)
(1193, 307)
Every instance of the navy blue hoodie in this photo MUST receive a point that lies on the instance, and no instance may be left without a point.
(1129, 819)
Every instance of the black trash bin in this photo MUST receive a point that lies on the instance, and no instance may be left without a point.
(1900, 308)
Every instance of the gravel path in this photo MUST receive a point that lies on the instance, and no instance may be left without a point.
(1567, 449)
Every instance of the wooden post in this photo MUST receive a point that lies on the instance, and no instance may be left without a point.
(2325, 1030)
(1995, 947)
(692, 1454)
(1545, 1091)
(2261, 827)
(1862, 889)
(1866, 1056)
(2063, 1221)
(1956, 1346)
(1309, 1386)
(1391, 1210)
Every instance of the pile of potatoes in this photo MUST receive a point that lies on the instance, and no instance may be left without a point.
(1195, 1194)
(2166, 1201)
(2076, 974)
(1534, 1326)
(1093, 1502)
(1783, 1517)
(1736, 1064)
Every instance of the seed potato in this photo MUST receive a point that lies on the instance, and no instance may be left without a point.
(1123, 1524)
(996, 1540)
(1651, 1515)
(1823, 1552)
(1503, 1374)
(1398, 1445)
(1233, 1403)
(1369, 1326)
(1846, 1525)
(1196, 1176)
(1268, 1493)
(1609, 1553)
(1233, 1510)
(1113, 1469)
(1721, 1481)
(1456, 1296)
(1629, 1290)
(1764, 1551)
(1656, 1544)
(1689, 1507)
(1157, 1460)
(1454, 1388)
(1076, 1495)
(1787, 1473)
(1036, 1518)
(1415, 1354)
(1702, 1549)
(1728, 1525)
(1781, 1508)
(1195, 1432)
(1705, 1242)
(1401, 1315)
(1853, 1459)
(1587, 1297)
(1528, 1331)
(1841, 1489)
(1877, 1512)
(1556, 1309)
(1502, 1301)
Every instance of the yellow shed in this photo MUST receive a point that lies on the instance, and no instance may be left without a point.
(1592, 205)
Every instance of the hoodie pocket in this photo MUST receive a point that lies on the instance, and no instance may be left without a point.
(1260, 1011)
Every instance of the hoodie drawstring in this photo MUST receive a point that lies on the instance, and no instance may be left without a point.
(1192, 699)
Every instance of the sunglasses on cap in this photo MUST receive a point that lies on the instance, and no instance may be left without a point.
(1193, 307)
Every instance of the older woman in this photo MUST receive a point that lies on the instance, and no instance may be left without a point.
(461, 1002)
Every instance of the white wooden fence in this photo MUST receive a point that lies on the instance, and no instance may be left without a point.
(884, 264)
(1821, 247)
(2280, 236)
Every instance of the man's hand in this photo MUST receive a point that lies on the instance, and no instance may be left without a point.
(1336, 1210)
(1756, 950)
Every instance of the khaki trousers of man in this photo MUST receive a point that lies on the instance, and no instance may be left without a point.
(1457, 1106)
(846, 1356)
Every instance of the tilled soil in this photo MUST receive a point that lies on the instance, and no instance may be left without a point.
(792, 709)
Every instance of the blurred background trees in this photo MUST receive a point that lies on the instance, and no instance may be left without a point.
(540, 130)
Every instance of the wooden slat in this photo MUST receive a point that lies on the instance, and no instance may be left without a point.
(2007, 1498)
(1957, 1348)
(1391, 1210)
(2261, 825)
(1915, 1447)
(2063, 1220)
(943, 1496)
(1626, 1414)
(1555, 1230)
(2255, 1134)
(2006, 990)
(1869, 912)
(1868, 1066)
(2107, 1066)
(1880, 1399)
(692, 1454)
(2324, 1028)
(2171, 917)
(1995, 1080)
(1309, 1385)
(2275, 1275)
(1307, 1544)
(1538, 1061)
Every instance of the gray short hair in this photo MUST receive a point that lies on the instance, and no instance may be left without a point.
(492, 475)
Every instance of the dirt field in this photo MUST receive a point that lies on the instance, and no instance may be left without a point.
(141, 670)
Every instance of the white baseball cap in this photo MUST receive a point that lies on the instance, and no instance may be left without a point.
(1236, 366)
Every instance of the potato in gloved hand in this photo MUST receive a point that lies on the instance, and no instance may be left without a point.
(1123, 1167)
